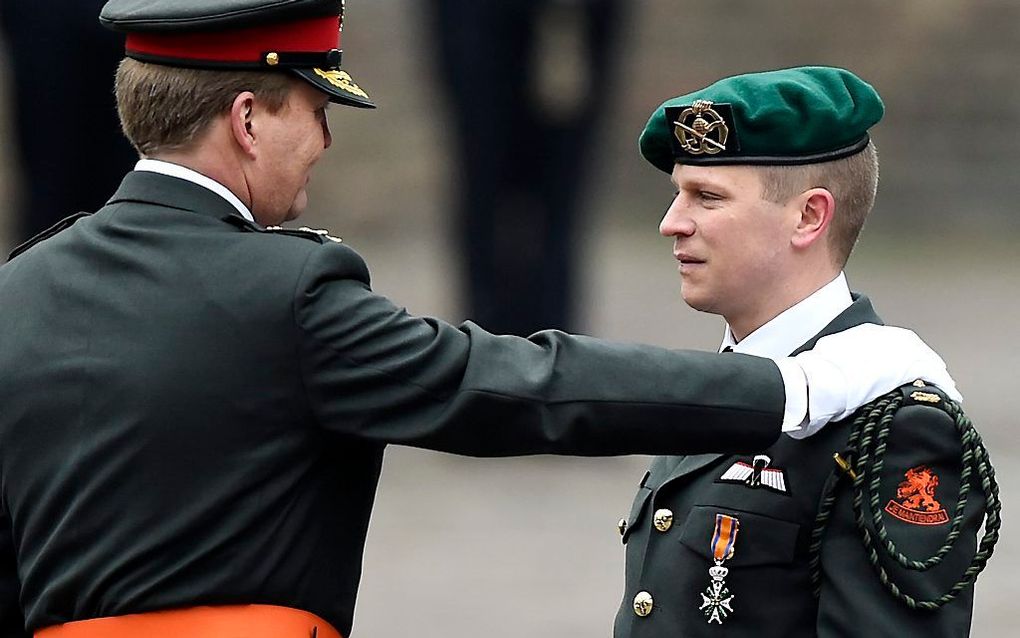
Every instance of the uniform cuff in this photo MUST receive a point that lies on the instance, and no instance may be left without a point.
(795, 383)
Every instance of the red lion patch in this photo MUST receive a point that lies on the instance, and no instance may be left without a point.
(917, 498)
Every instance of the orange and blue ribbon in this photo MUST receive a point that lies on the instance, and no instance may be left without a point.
(725, 536)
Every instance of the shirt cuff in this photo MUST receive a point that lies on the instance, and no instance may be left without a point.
(795, 383)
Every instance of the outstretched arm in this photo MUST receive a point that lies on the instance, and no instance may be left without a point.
(374, 371)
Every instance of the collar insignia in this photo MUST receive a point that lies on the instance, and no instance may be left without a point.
(756, 474)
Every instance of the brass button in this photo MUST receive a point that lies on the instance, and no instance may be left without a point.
(663, 520)
(272, 58)
(643, 603)
(622, 526)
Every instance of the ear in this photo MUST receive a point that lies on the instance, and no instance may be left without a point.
(816, 207)
(241, 114)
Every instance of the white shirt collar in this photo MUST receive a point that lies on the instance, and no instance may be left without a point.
(797, 324)
(182, 172)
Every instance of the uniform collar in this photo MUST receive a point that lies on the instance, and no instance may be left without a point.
(795, 325)
(182, 172)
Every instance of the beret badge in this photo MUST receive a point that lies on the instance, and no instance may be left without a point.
(700, 129)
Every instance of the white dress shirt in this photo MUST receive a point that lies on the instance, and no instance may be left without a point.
(793, 327)
(788, 331)
(182, 172)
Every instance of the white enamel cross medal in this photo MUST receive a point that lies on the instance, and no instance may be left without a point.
(716, 601)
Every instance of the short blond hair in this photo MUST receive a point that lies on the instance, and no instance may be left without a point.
(166, 108)
(853, 182)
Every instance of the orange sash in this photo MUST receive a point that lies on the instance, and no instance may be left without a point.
(250, 621)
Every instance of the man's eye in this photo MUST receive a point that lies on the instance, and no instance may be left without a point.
(709, 196)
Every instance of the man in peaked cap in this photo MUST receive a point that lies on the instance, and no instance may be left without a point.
(219, 391)
(774, 175)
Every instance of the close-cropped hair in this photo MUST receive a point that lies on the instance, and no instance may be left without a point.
(853, 182)
(165, 108)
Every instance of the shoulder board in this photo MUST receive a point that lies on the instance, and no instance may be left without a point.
(60, 226)
(314, 234)
(921, 392)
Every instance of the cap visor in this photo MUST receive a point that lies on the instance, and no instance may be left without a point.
(339, 85)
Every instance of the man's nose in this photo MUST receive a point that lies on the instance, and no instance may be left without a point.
(676, 221)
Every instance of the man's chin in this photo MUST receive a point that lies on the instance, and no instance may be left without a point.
(298, 207)
(697, 302)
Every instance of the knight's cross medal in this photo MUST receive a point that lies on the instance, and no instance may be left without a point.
(717, 600)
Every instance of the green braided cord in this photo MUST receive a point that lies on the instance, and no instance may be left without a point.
(876, 506)
(829, 493)
(866, 447)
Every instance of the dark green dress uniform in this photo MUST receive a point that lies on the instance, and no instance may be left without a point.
(194, 410)
(669, 532)
(765, 506)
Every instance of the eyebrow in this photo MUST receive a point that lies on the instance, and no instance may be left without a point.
(700, 184)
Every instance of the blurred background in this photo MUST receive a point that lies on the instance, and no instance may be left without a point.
(553, 94)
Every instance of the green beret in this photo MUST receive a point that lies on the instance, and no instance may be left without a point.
(791, 116)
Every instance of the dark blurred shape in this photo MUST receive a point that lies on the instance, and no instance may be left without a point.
(528, 82)
(68, 141)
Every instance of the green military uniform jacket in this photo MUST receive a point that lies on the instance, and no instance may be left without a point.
(194, 410)
(669, 532)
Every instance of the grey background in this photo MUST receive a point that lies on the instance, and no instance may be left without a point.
(460, 547)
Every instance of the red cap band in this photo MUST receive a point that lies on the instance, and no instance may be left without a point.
(247, 45)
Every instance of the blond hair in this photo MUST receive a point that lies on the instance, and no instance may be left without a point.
(853, 182)
(165, 108)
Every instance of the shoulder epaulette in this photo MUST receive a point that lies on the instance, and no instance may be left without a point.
(314, 234)
(60, 226)
(921, 392)
(914, 504)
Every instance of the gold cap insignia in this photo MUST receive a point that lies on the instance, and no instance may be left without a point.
(700, 129)
(341, 80)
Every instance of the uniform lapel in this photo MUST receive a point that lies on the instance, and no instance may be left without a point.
(860, 311)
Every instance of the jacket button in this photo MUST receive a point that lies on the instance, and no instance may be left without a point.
(663, 520)
(643, 603)
(622, 526)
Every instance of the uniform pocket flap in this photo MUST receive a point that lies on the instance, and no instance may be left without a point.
(760, 540)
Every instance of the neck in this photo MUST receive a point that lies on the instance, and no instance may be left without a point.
(215, 162)
(789, 292)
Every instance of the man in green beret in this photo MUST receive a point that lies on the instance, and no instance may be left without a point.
(775, 174)
(196, 401)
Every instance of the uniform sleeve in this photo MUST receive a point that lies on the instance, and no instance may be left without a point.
(373, 371)
(918, 493)
(12, 622)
